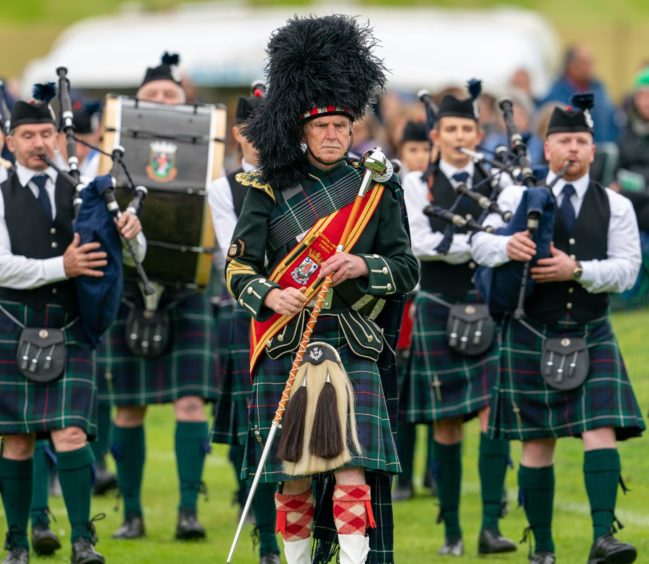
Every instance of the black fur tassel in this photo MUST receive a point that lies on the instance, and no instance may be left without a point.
(584, 101)
(170, 59)
(312, 62)
(327, 438)
(290, 443)
(474, 86)
(44, 92)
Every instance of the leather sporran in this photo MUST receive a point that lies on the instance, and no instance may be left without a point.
(148, 333)
(470, 330)
(41, 354)
(565, 362)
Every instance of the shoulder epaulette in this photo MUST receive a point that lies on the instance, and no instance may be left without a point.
(254, 180)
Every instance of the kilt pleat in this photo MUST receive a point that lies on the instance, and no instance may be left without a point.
(372, 419)
(188, 368)
(71, 401)
(231, 409)
(441, 383)
(524, 407)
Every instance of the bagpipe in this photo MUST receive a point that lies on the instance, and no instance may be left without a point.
(504, 288)
(96, 211)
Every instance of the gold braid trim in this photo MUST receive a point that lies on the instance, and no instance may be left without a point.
(253, 179)
(236, 268)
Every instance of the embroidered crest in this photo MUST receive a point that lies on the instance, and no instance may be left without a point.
(162, 161)
(303, 271)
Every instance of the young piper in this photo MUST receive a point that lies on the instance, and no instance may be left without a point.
(226, 197)
(595, 251)
(449, 383)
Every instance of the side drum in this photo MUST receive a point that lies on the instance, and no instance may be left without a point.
(176, 152)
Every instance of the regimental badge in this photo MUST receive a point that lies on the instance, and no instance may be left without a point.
(303, 271)
(315, 353)
(162, 161)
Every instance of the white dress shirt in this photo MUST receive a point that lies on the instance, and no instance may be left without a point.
(224, 217)
(22, 273)
(616, 273)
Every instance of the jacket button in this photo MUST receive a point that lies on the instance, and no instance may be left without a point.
(571, 290)
(241, 301)
(53, 230)
(370, 338)
(250, 290)
(569, 305)
(472, 265)
(384, 270)
(54, 244)
(388, 287)
(54, 291)
(571, 241)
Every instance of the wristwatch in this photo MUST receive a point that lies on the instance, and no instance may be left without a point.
(578, 271)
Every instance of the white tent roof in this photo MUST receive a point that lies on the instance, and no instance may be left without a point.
(223, 45)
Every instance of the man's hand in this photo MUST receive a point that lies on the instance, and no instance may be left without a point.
(288, 301)
(83, 260)
(558, 268)
(129, 225)
(521, 247)
(344, 267)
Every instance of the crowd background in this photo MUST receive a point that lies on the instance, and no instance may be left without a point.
(604, 50)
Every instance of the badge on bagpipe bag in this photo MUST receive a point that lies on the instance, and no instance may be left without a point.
(319, 425)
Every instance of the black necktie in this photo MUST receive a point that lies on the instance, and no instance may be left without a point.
(40, 180)
(461, 177)
(567, 210)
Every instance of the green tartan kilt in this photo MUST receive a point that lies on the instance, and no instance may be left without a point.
(188, 368)
(524, 407)
(372, 419)
(71, 401)
(441, 383)
(231, 410)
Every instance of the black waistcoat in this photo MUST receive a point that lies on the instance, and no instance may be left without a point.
(589, 241)
(34, 235)
(437, 276)
(238, 191)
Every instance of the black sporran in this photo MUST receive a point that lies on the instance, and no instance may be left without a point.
(41, 354)
(470, 329)
(564, 362)
(148, 333)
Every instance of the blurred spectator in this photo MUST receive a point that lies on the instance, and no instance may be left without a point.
(414, 149)
(523, 115)
(367, 133)
(489, 114)
(634, 139)
(522, 80)
(579, 76)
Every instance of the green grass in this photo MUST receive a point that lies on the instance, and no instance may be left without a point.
(416, 535)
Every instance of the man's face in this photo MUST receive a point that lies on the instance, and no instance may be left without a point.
(454, 132)
(328, 139)
(576, 147)
(415, 154)
(28, 141)
(641, 102)
(162, 92)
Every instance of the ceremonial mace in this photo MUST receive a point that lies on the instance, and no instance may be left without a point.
(377, 168)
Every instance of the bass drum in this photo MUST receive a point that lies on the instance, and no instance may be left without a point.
(176, 152)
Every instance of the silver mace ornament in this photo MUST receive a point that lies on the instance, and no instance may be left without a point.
(378, 168)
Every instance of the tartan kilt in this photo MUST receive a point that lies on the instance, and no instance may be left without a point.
(231, 409)
(188, 368)
(524, 407)
(464, 382)
(372, 419)
(71, 401)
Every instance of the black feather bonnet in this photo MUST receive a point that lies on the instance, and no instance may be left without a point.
(316, 66)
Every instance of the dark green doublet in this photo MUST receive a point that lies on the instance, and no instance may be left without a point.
(348, 322)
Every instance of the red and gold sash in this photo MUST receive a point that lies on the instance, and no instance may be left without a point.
(298, 269)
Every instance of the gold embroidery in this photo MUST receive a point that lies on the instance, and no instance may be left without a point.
(236, 268)
(253, 179)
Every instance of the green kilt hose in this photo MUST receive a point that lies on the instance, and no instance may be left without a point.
(524, 407)
(27, 407)
(188, 368)
(442, 383)
(231, 409)
(372, 418)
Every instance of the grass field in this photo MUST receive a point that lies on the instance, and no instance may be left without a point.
(416, 535)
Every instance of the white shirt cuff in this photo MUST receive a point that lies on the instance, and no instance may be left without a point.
(588, 274)
(53, 270)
